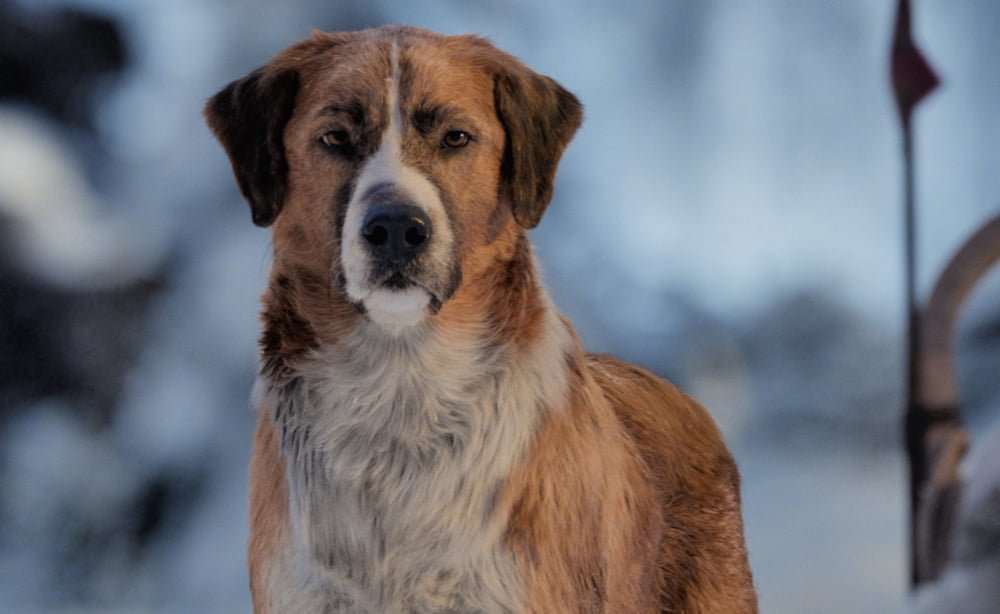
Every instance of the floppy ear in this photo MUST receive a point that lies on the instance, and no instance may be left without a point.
(539, 118)
(248, 117)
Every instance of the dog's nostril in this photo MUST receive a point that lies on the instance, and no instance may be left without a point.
(416, 234)
(376, 234)
(396, 231)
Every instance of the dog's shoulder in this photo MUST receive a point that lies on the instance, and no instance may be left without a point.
(662, 420)
(697, 484)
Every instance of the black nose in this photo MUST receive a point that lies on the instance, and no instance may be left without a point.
(396, 232)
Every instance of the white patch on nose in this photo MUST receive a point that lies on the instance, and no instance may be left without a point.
(399, 307)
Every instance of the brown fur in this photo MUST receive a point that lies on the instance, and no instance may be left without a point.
(658, 506)
(583, 515)
(628, 500)
(702, 558)
(269, 528)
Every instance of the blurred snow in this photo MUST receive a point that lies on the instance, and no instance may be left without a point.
(61, 483)
(729, 215)
(56, 223)
(824, 526)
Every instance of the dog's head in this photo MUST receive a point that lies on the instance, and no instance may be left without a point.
(394, 162)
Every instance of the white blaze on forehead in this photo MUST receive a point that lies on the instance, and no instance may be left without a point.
(386, 166)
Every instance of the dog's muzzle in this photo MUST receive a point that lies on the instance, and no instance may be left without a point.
(397, 254)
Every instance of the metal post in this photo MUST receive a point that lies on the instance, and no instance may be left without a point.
(912, 80)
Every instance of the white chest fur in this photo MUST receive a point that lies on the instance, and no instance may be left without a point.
(397, 448)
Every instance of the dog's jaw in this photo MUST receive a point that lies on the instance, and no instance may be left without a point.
(397, 310)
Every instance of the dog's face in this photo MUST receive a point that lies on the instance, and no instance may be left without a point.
(393, 162)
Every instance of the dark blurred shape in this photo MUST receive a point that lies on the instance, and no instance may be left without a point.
(979, 364)
(162, 502)
(75, 344)
(839, 360)
(913, 79)
(54, 59)
(988, 331)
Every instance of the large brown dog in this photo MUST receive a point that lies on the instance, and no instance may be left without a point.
(431, 435)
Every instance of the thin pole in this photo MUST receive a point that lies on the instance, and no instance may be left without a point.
(912, 313)
(912, 80)
(914, 421)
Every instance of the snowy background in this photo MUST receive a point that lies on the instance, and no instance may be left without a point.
(729, 215)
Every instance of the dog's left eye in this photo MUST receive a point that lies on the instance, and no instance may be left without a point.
(455, 139)
(336, 139)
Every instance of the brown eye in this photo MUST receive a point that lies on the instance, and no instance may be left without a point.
(456, 138)
(336, 139)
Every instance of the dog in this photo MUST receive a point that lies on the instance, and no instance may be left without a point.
(431, 436)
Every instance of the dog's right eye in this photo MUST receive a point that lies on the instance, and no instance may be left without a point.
(336, 139)
(456, 139)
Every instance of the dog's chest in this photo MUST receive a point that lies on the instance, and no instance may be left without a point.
(395, 472)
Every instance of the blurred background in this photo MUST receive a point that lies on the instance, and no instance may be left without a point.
(729, 215)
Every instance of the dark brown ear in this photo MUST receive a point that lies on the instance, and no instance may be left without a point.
(539, 118)
(248, 117)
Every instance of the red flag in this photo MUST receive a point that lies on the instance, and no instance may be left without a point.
(912, 77)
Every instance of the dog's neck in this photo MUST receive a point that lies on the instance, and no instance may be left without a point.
(397, 444)
(424, 390)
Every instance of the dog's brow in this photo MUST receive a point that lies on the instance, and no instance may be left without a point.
(352, 110)
(429, 116)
